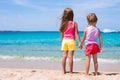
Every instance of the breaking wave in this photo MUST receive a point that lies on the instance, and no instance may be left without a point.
(109, 30)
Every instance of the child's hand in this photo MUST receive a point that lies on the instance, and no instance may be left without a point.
(80, 46)
(100, 49)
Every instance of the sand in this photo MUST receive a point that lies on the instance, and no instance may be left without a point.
(41, 74)
(17, 69)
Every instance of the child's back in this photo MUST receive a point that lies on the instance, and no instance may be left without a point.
(92, 34)
(69, 32)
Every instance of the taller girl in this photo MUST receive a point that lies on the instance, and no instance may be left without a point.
(69, 31)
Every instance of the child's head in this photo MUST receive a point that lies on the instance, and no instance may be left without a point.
(92, 18)
(67, 16)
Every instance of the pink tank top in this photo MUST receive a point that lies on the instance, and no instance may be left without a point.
(92, 34)
(69, 32)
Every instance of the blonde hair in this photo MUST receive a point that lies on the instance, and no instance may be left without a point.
(67, 16)
(92, 18)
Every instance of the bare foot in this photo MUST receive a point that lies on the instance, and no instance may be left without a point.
(71, 72)
(86, 74)
(63, 72)
(96, 73)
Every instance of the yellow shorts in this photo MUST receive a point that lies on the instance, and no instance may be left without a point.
(68, 44)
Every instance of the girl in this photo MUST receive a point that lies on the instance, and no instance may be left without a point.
(68, 30)
(90, 37)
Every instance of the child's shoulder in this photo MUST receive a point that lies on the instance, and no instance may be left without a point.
(97, 28)
(72, 21)
(75, 22)
(86, 29)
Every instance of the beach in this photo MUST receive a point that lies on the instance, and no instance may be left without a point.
(21, 69)
(31, 33)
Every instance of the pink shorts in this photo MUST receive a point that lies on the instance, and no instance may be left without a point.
(92, 49)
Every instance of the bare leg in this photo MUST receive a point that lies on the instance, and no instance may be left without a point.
(88, 57)
(95, 63)
(64, 57)
(70, 57)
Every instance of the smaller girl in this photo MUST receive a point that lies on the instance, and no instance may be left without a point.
(68, 30)
(91, 33)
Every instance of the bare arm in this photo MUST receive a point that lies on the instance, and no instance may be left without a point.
(83, 38)
(100, 38)
(76, 32)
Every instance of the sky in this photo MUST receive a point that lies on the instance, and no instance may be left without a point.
(45, 15)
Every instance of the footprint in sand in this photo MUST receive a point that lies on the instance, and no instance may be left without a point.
(11, 75)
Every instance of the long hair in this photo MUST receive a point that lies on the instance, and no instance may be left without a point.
(67, 16)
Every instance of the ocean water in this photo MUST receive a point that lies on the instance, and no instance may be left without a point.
(47, 46)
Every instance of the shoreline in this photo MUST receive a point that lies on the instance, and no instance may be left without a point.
(56, 65)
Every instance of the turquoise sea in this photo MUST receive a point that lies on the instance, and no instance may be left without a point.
(46, 45)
